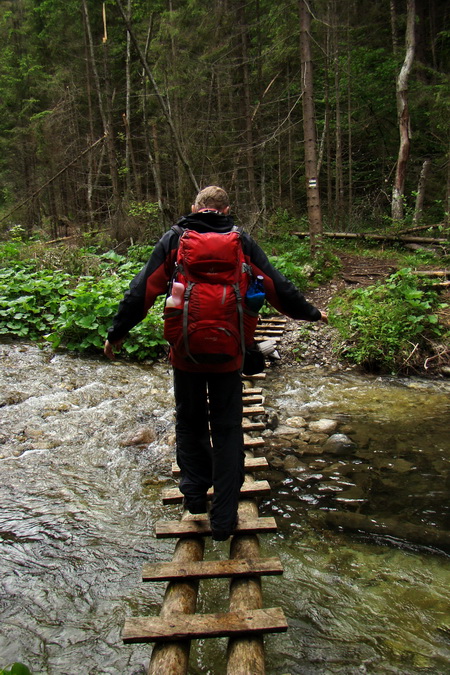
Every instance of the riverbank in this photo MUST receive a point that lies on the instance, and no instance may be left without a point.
(316, 345)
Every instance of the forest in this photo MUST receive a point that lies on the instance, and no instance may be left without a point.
(321, 119)
(104, 128)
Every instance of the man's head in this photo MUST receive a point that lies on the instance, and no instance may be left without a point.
(212, 197)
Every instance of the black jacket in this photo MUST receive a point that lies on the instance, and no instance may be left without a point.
(155, 276)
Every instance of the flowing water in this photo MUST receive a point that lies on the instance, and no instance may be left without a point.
(85, 449)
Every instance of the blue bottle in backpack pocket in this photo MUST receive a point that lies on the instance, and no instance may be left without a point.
(255, 296)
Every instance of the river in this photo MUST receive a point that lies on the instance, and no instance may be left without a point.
(85, 449)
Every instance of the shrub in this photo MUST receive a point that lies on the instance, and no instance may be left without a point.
(75, 313)
(30, 300)
(86, 314)
(297, 264)
(385, 324)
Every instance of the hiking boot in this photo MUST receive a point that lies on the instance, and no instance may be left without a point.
(222, 535)
(195, 505)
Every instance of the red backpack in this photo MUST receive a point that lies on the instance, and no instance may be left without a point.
(211, 324)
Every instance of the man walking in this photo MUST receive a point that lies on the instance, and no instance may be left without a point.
(208, 391)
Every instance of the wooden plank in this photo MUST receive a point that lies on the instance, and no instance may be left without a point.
(194, 626)
(251, 463)
(257, 376)
(256, 489)
(253, 442)
(274, 319)
(256, 463)
(211, 569)
(201, 527)
(263, 336)
(269, 331)
(253, 410)
(253, 426)
(253, 399)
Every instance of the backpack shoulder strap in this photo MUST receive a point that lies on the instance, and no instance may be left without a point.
(178, 229)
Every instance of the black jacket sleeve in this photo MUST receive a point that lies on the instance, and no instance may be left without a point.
(280, 292)
(151, 281)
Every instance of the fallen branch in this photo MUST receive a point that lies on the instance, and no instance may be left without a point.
(74, 236)
(420, 228)
(431, 273)
(36, 192)
(436, 356)
(377, 237)
(415, 348)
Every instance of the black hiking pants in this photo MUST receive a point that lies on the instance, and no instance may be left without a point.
(210, 446)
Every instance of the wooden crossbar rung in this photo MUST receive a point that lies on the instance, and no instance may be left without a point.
(251, 463)
(193, 626)
(252, 390)
(269, 331)
(211, 569)
(249, 400)
(253, 426)
(201, 527)
(263, 336)
(254, 489)
(253, 442)
(274, 319)
(257, 376)
(253, 410)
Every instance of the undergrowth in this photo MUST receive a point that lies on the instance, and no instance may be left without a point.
(69, 300)
(388, 326)
(70, 308)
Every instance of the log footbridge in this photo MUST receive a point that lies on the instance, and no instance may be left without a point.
(247, 620)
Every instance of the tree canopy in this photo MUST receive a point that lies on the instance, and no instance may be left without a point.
(92, 137)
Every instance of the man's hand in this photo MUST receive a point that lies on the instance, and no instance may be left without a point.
(324, 317)
(110, 349)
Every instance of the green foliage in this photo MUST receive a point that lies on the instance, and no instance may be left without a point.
(293, 259)
(30, 300)
(16, 669)
(86, 314)
(384, 324)
(147, 210)
(74, 312)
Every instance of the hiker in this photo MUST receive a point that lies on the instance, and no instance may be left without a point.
(206, 350)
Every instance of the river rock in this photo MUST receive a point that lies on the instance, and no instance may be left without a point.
(292, 462)
(338, 444)
(323, 426)
(143, 436)
(298, 422)
(285, 431)
(301, 447)
(318, 439)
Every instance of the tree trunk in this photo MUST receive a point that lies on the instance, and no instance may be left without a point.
(403, 115)
(421, 191)
(127, 115)
(339, 175)
(246, 113)
(309, 131)
(104, 111)
(447, 193)
(394, 36)
(160, 99)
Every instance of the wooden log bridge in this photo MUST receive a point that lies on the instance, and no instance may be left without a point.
(247, 620)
